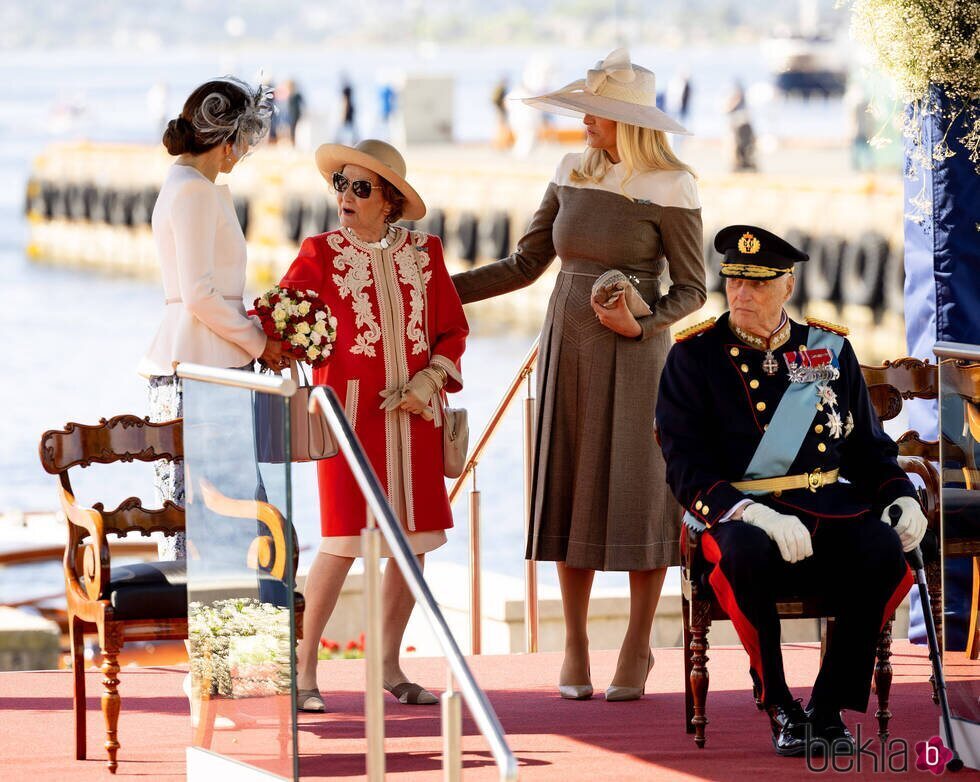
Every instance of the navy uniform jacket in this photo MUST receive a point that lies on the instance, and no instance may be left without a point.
(714, 404)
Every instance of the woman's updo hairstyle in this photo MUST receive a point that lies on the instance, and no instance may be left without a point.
(220, 111)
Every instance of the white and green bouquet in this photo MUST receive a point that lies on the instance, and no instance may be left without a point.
(241, 647)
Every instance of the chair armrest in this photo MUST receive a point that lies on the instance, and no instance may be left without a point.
(90, 561)
(929, 495)
(266, 551)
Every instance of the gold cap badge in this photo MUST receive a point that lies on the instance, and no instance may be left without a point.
(748, 244)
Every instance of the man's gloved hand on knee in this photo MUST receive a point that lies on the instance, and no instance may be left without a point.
(787, 532)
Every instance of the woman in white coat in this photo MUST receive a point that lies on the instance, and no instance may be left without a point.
(201, 249)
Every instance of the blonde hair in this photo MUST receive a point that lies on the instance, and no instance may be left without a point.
(640, 149)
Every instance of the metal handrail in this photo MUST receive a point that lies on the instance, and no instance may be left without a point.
(958, 350)
(527, 366)
(469, 470)
(483, 714)
(252, 381)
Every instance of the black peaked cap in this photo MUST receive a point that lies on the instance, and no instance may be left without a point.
(755, 253)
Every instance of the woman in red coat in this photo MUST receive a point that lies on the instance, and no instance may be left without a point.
(400, 335)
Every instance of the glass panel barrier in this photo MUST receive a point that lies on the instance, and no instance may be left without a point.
(959, 422)
(240, 576)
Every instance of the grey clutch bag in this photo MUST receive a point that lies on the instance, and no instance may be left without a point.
(610, 286)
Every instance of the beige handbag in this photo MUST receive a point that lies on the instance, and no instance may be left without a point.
(309, 436)
(609, 286)
(455, 420)
(455, 438)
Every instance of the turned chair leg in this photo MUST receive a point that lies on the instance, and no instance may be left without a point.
(76, 640)
(699, 680)
(207, 712)
(110, 703)
(883, 680)
(688, 667)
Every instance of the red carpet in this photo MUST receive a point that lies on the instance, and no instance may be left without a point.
(553, 739)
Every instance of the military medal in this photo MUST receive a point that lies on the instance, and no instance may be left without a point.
(834, 424)
(778, 338)
(769, 364)
(809, 366)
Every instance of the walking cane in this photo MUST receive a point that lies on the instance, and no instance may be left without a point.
(914, 558)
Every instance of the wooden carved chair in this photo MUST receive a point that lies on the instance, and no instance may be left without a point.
(144, 601)
(896, 381)
(889, 385)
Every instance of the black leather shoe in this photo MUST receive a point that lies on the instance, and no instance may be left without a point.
(789, 725)
(827, 732)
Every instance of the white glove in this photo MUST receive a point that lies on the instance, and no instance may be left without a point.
(911, 526)
(787, 532)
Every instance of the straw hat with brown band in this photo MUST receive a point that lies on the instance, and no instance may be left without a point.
(379, 157)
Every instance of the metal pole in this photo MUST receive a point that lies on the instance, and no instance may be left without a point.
(530, 566)
(374, 707)
(476, 603)
(452, 732)
(475, 698)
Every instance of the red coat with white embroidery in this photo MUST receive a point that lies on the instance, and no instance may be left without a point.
(380, 298)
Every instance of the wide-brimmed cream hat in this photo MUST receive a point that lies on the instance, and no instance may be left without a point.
(614, 89)
(379, 157)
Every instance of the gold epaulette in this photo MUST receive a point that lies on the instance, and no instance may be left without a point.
(693, 331)
(826, 325)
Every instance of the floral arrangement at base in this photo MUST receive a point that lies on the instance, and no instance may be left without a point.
(241, 646)
(300, 320)
(924, 45)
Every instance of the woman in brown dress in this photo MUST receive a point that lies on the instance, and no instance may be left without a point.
(600, 499)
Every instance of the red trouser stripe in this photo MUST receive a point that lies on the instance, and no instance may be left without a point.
(898, 596)
(747, 633)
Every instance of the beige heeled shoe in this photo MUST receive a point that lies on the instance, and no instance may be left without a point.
(618, 692)
(575, 692)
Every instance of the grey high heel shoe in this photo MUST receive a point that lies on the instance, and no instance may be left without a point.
(617, 692)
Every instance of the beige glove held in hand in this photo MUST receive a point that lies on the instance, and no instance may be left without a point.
(912, 524)
(787, 532)
(391, 398)
(425, 384)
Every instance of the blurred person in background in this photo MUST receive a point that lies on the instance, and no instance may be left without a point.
(289, 111)
(743, 134)
(387, 101)
(347, 131)
(503, 135)
(861, 123)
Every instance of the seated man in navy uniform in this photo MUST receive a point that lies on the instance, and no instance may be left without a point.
(771, 442)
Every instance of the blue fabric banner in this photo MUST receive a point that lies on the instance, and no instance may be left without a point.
(942, 259)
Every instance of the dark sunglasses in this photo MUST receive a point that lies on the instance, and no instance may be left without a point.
(361, 187)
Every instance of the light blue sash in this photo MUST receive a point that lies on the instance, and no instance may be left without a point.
(790, 423)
